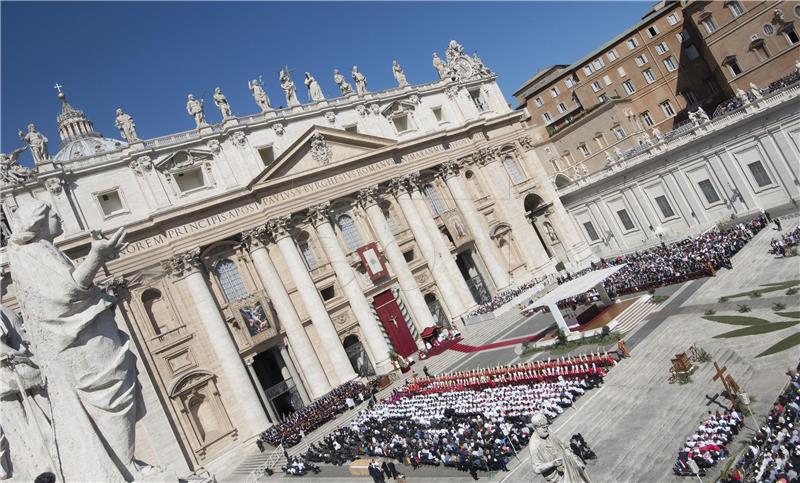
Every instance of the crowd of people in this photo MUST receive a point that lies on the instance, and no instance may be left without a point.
(773, 454)
(475, 425)
(708, 444)
(293, 428)
(781, 245)
(504, 297)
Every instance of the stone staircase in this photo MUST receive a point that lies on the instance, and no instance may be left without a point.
(633, 315)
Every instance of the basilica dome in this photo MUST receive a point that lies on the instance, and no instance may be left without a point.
(78, 137)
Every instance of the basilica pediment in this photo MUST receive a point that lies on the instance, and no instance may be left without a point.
(182, 159)
(319, 148)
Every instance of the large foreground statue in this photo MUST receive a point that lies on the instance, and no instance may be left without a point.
(90, 374)
(551, 458)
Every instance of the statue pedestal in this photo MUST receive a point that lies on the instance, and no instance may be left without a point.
(205, 130)
(136, 146)
(229, 123)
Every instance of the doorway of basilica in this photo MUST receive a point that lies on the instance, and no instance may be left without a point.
(358, 356)
(395, 325)
(279, 386)
(465, 260)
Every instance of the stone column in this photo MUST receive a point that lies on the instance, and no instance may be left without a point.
(499, 181)
(487, 249)
(185, 269)
(440, 246)
(279, 228)
(298, 383)
(368, 198)
(374, 339)
(261, 394)
(401, 189)
(255, 240)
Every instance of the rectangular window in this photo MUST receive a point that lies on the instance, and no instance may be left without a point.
(353, 128)
(621, 72)
(666, 106)
(619, 133)
(539, 102)
(736, 8)
(664, 206)
(591, 231)
(607, 80)
(670, 64)
(649, 76)
(691, 52)
(760, 174)
(711, 85)
(602, 98)
(733, 67)
(598, 64)
(661, 48)
(709, 24)
(553, 91)
(569, 82)
(652, 31)
(672, 19)
(437, 113)
(562, 107)
(647, 119)
(513, 170)
(791, 34)
(689, 97)
(627, 223)
(584, 150)
(600, 140)
(682, 36)
(190, 179)
(596, 86)
(612, 55)
(629, 87)
(708, 191)
(587, 70)
(477, 99)
(267, 155)
(632, 43)
(547, 117)
(110, 203)
(401, 123)
(641, 60)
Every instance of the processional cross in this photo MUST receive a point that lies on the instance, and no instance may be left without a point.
(728, 383)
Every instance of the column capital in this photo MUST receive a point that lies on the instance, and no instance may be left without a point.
(255, 238)
(182, 264)
(525, 142)
(279, 227)
(320, 214)
(368, 196)
(484, 156)
(449, 169)
(399, 186)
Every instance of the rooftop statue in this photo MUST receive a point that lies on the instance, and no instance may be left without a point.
(360, 80)
(288, 88)
(37, 143)
(11, 172)
(344, 86)
(222, 103)
(195, 109)
(127, 128)
(398, 74)
(260, 96)
(314, 90)
(84, 357)
(438, 64)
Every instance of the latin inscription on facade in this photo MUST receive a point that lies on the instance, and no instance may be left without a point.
(438, 148)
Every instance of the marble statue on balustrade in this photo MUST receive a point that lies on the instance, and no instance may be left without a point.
(83, 356)
(11, 172)
(551, 458)
(399, 75)
(344, 87)
(26, 448)
(195, 109)
(742, 96)
(438, 64)
(38, 144)
(657, 134)
(289, 89)
(755, 91)
(127, 128)
(360, 80)
(222, 104)
(260, 96)
(314, 90)
(480, 67)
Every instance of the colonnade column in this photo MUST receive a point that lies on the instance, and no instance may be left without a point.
(185, 269)
(298, 383)
(500, 186)
(401, 188)
(320, 218)
(263, 395)
(449, 172)
(279, 228)
(255, 240)
(368, 198)
(440, 245)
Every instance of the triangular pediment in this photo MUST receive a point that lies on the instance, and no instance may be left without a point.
(321, 147)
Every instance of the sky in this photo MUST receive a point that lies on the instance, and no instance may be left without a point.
(145, 57)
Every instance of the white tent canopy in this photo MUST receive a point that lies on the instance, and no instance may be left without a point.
(575, 287)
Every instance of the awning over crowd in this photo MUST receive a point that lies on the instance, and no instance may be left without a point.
(575, 287)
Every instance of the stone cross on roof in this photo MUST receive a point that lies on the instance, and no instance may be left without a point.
(58, 87)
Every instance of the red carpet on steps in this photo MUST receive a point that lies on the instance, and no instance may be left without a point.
(448, 344)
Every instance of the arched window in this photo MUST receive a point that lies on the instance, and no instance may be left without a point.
(349, 232)
(433, 200)
(513, 170)
(230, 280)
(157, 310)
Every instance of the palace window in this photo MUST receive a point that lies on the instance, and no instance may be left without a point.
(768, 29)
(649, 76)
(110, 202)
(733, 65)
(641, 60)
(569, 82)
(539, 102)
(661, 48)
(556, 167)
(709, 24)
(760, 174)
(682, 36)
(666, 106)
(670, 63)
(602, 98)
(607, 80)
(598, 63)
(189, 180)
(513, 170)
(554, 91)
(691, 52)
(562, 107)
(708, 191)
(664, 206)
(758, 47)
(647, 119)
(619, 132)
(621, 71)
(791, 34)
(672, 19)
(596, 86)
(547, 117)
(652, 31)
(735, 7)
(584, 150)
(625, 218)
(349, 232)
(612, 55)
(267, 155)
(433, 200)
(689, 97)
(629, 87)
(587, 69)
(229, 280)
(632, 43)
(593, 236)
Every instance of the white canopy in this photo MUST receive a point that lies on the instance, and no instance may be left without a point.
(575, 287)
